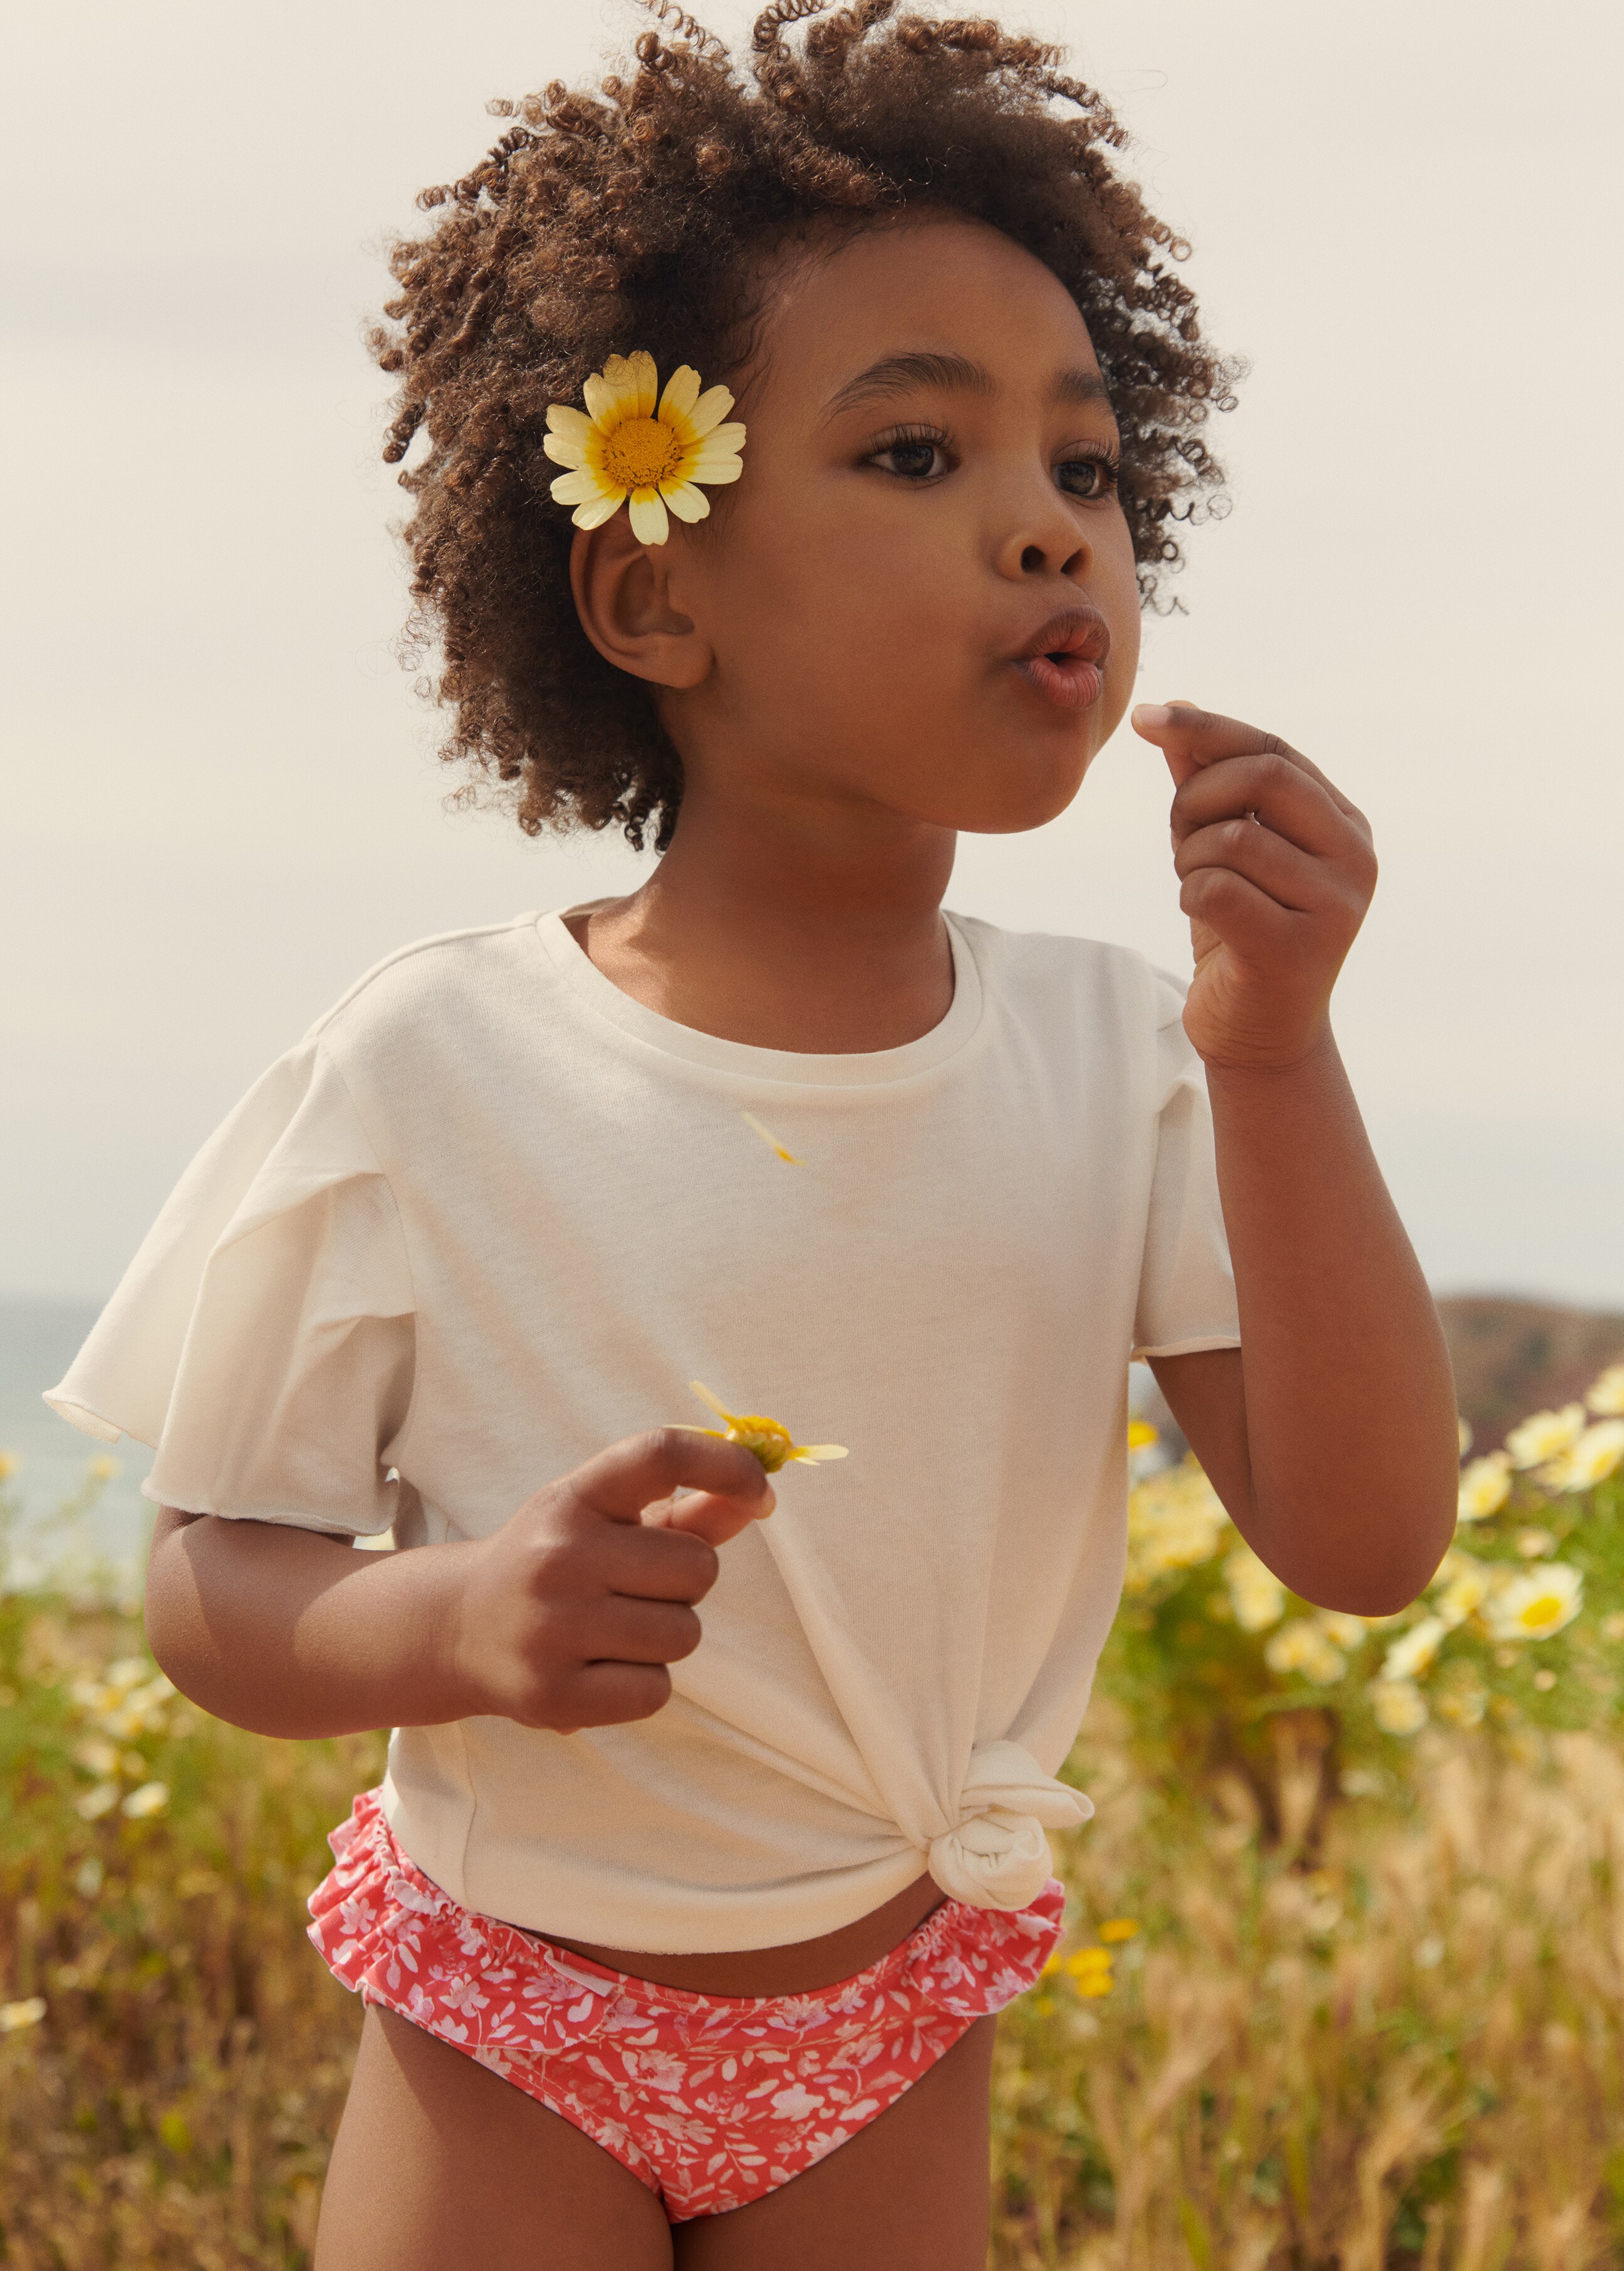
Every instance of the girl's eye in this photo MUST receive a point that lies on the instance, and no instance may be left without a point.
(1091, 479)
(912, 457)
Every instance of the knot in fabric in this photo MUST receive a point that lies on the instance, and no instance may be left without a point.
(996, 1855)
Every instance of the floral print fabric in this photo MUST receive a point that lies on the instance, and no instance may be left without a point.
(711, 2100)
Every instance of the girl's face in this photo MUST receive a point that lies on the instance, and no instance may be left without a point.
(921, 595)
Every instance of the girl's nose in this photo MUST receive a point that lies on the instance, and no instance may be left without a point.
(1043, 538)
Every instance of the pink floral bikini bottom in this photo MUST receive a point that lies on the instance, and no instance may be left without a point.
(711, 2100)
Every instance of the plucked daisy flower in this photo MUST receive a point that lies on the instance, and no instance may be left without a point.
(768, 1439)
(624, 445)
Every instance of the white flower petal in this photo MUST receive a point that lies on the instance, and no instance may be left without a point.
(681, 392)
(579, 487)
(563, 418)
(648, 524)
(565, 449)
(598, 510)
(718, 473)
(723, 437)
(709, 409)
(604, 401)
(687, 502)
(646, 379)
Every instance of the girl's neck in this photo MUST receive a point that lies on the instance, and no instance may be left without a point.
(807, 927)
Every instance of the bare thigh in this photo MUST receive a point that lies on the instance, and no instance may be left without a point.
(438, 2162)
(909, 2192)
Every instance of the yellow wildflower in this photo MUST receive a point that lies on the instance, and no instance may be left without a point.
(1258, 1595)
(1606, 1396)
(1486, 1486)
(1538, 1603)
(1399, 1706)
(1589, 1461)
(14, 2016)
(1303, 1646)
(151, 1799)
(8, 1466)
(1416, 1650)
(1090, 1971)
(770, 1140)
(624, 445)
(768, 1440)
(1116, 1929)
(1545, 1435)
(101, 1468)
(1141, 1435)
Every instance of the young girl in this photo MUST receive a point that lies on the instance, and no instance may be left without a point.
(680, 1930)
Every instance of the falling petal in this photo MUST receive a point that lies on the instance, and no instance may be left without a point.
(770, 1140)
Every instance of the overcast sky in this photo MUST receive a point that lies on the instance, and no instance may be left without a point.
(220, 800)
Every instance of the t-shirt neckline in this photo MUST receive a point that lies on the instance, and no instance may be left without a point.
(869, 1068)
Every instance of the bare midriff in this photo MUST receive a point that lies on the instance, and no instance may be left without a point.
(800, 1969)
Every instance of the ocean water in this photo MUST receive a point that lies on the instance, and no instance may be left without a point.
(38, 1340)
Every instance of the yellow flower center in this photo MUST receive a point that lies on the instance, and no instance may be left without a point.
(640, 453)
(769, 1443)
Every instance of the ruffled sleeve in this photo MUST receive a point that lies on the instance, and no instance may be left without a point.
(262, 1338)
(1187, 1289)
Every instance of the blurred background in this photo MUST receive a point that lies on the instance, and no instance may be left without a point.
(221, 798)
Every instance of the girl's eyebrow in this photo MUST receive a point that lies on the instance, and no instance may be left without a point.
(897, 374)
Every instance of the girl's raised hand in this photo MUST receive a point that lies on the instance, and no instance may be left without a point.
(568, 1616)
(1277, 871)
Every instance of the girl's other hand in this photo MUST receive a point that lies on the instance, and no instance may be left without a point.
(1277, 869)
(570, 1614)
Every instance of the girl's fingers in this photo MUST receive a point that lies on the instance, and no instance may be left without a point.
(1283, 799)
(1191, 738)
(1290, 877)
(1245, 919)
(619, 1482)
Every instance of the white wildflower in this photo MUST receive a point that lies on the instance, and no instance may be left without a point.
(1485, 1487)
(1256, 1593)
(1414, 1651)
(1545, 1435)
(1305, 1647)
(1538, 1603)
(1399, 1706)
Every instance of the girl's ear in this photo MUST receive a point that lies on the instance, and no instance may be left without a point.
(623, 597)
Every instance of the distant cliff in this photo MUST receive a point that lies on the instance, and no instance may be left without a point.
(1514, 1357)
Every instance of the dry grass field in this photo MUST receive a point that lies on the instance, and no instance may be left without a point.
(1343, 1986)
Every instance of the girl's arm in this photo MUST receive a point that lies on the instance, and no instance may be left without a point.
(1331, 1434)
(566, 1617)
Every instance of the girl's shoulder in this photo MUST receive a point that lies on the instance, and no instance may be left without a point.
(1046, 973)
(420, 982)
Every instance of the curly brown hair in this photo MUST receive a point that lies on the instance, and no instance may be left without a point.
(631, 218)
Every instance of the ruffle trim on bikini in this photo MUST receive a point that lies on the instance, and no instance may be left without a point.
(389, 1933)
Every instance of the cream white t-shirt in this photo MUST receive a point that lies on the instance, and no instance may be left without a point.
(493, 1214)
